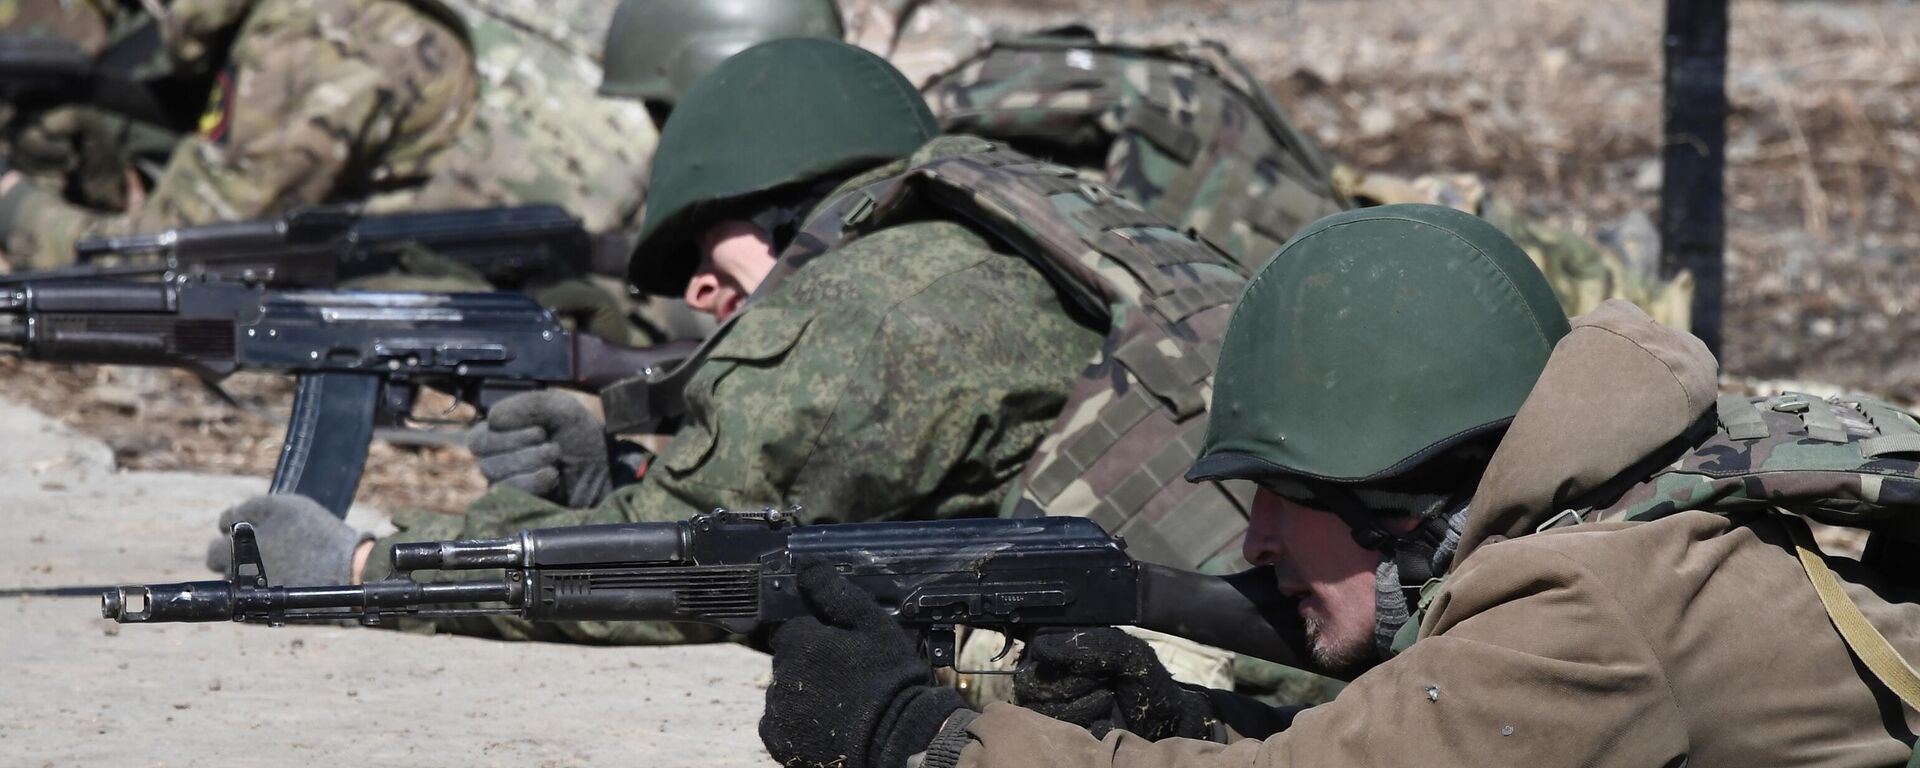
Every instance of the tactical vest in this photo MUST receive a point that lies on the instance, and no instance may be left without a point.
(1185, 131)
(1135, 418)
(1845, 461)
(1851, 462)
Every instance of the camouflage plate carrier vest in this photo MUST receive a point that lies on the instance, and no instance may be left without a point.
(1136, 417)
(1185, 131)
(1843, 461)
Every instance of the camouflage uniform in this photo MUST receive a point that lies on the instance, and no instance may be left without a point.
(908, 374)
(540, 133)
(321, 100)
(84, 152)
(86, 24)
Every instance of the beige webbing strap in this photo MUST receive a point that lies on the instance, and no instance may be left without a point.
(1867, 643)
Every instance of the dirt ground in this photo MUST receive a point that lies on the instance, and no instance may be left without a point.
(82, 691)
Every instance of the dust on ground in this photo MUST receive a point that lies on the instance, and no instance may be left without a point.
(83, 691)
(1555, 102)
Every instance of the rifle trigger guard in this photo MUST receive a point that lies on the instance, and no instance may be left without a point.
(1005, 648)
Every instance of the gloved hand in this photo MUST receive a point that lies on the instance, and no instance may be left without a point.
(545, 443)
(301, 543)
(1102, 679)
(848, 687)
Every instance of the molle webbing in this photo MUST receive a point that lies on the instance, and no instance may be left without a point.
(1137, 416)
(1185, 131)
(1843, 461)
(1740, 417)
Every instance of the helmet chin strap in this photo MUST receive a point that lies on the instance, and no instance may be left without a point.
(1412, 552)
(1408, 559)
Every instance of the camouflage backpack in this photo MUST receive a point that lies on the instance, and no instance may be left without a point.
(1185, 131)
(1852, 462)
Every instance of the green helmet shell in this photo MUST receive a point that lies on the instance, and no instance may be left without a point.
(1375, 340)
(779, 113)
(656, 49)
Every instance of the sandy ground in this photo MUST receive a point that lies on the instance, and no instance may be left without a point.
(77, 690)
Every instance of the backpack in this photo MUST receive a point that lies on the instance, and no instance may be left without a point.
(1186, 131)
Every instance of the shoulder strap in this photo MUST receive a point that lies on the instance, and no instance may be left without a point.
(1879, 655)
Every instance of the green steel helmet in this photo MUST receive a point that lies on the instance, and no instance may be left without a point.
(779, 114)
(1373, 341)
(656, 49)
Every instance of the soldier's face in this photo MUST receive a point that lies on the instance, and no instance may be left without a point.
(735, 257)
(1316, 560)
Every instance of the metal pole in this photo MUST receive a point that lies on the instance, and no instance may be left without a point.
(1693, 182)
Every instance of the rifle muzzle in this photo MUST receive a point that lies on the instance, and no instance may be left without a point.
(185, 602)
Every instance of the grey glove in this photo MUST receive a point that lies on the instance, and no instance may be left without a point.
(301, 543)
(547, 444)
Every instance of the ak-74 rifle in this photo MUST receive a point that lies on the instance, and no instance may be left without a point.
(512, 247)
(127, 78)
(736, 571)
(358, 356)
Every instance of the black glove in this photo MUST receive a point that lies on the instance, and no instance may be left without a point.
(1102, 679)
(545, 443)
(848, 687)
(301, 543)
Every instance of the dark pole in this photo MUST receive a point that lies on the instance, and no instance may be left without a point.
(1693, 181)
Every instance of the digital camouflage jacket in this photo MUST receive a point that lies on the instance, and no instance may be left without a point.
(907, 374)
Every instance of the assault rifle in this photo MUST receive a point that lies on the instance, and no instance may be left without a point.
(358, 356)
(320, 247)
(735, 571)
(38, 73)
